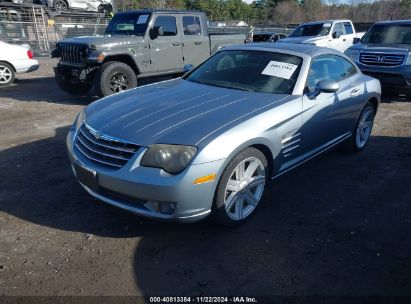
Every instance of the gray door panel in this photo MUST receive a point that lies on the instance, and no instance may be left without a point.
(195, 44)
(166, 53)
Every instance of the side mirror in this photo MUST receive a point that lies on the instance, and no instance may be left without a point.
(156, 31)
(336, 35)
(324, 86)
(356, 40)
(187, 68)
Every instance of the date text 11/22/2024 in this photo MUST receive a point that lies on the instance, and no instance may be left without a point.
(203, 299)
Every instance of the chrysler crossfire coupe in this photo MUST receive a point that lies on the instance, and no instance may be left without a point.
(208, 143)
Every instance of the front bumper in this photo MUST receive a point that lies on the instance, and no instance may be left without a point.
(132, 186)
(75, 74)
(399, 76)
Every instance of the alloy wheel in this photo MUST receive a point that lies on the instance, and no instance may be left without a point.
(244, 188)
(61, 6)
(5, 74)
(119, 83)
(364, 127)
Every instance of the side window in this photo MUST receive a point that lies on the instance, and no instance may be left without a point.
(348, 28)
(328, 67)
(350, 68)
(338, 28)
(192, 25)
(168, 23)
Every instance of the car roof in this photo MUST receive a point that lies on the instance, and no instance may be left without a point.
(395, 22)
(301, 48)
(327, 21)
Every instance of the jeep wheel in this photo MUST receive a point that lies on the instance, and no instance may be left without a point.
(114, 77)
(72, 87)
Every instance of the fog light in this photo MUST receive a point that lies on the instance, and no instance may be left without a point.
(153, 205)
(162, 207)
(167, 207)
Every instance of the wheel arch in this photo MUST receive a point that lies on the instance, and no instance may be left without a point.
(374, 102)
(124, 58)
(268, 155)
(10, 64)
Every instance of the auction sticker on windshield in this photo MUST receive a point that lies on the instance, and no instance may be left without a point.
(142, 19)
(279, 69)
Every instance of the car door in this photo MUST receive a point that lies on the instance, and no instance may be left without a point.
(337, 34)
(166, 50)
(327, 117)
(196, 47)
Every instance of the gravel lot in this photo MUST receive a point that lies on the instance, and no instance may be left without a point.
(340, 225)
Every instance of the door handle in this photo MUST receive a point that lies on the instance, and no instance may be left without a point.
(176, 44)
(344, 39)
(197, 42)
(355, 92)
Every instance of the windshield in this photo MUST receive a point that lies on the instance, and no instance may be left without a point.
(256, 71)
(128, 24)
(316, 29)
(388, 34)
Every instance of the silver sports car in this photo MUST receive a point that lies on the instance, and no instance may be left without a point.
(209, 142)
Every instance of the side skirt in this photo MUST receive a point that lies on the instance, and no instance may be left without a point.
(314, 153)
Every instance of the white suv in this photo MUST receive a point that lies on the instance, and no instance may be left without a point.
(15, 59)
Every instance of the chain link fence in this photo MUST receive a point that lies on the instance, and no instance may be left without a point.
(36, 26)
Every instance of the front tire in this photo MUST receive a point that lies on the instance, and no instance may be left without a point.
(6, 74)
(241, 187)
(114, 77)
(362, 129)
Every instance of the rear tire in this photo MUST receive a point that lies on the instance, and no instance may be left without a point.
(362, 129)
(60, 6)
(240, 188)
(114, 77)
(7, 74)
(72, 87)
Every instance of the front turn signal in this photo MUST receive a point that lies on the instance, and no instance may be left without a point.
(204, 179)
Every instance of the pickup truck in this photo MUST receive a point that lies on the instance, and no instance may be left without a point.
(384, 52)
(137, 44)
(335, 34)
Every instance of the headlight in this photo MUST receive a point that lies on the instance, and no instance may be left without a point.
(353, 54)
(171, 158)
(408, 59)
(81, 117)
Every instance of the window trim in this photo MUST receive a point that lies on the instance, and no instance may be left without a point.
(170, 16)
(313, 59)
(201, 33)
(342, 26)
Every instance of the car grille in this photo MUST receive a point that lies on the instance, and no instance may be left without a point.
(103, 149)
(381, 59)
(71, 53)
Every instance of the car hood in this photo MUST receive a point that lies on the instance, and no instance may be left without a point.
(305, 39)
(104, 41)
(176, 112)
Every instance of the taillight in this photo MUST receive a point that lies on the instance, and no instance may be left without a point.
(30, 54)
